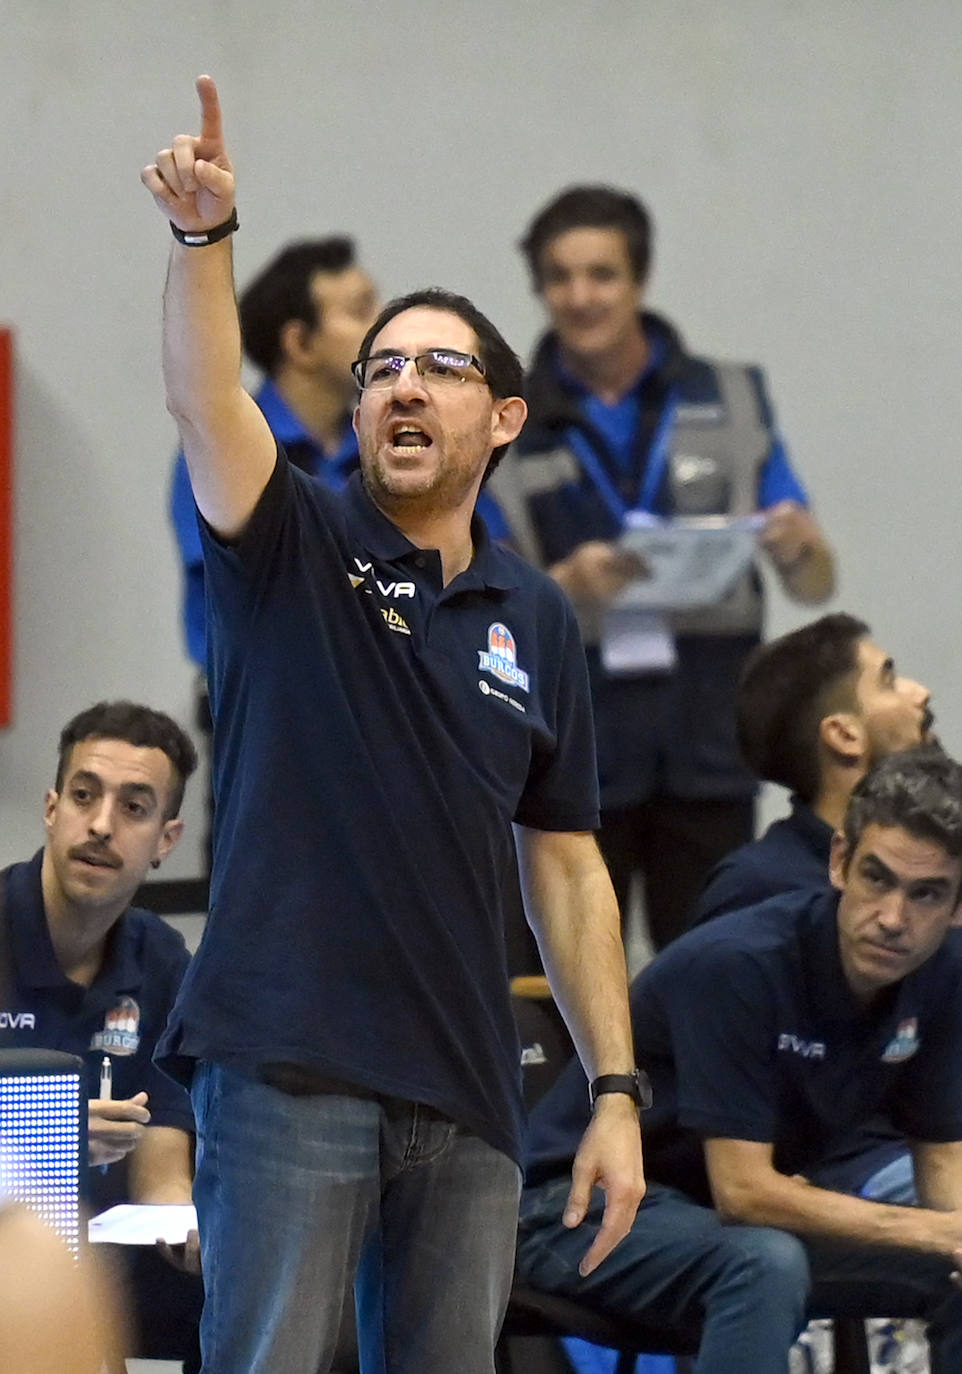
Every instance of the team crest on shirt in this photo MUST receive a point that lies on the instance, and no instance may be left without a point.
(121, 1032)
(904, 1043)
(500, 659)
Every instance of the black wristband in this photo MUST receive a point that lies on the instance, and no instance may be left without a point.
(634, 1085)
(200, 238)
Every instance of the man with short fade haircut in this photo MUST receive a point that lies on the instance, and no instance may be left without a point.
(87, 973)
(815, 709)
(391, 691)
(769, 1034)
(622, 418)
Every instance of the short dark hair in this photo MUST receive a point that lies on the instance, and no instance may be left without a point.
(590, 207)
(137, 725)
(786, 689)
(918, 790)
(281, 291)
(503, 371)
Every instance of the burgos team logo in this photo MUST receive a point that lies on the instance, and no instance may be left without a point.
(501, 658)
(904, 1043)
(121, 1032)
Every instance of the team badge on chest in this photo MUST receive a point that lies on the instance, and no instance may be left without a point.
(121, 1032)
(500, 659)
(904, 1043)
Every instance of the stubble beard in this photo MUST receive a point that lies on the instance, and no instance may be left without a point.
(441, 489)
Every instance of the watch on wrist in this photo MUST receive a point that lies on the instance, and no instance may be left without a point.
(635, 1085)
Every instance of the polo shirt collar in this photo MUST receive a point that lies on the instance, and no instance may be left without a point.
(491, 566)
(32, 947)
(658, 346)
(30, 943)
(815, 832)
(830, 994)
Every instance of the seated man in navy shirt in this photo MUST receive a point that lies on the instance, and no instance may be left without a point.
(815, 709)
(768, 1034)
(89, 974)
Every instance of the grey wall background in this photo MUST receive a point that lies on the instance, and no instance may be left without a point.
(801, 159)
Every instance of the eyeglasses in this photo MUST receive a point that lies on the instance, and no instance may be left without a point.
(437, 367)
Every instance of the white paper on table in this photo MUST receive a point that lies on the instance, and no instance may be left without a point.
(142, 1223)
(692, 563)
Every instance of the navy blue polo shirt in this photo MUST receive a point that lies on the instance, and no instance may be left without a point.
(121, 1014)
(375, 734)
(749, 1031)
(793, 853)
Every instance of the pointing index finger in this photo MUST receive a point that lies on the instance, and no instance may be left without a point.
(211, 129)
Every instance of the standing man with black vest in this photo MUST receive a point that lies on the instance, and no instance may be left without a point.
(621, 418)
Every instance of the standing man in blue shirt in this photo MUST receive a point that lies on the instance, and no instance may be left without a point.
(302, 320)
(622, 417)
(390, 690)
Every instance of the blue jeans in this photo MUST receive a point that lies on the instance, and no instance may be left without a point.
(298, 1194)
(747, 1289)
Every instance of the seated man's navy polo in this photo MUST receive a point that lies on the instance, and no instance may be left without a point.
(122, 1013)
(375, 735)
(749, 1031)
(793, 853)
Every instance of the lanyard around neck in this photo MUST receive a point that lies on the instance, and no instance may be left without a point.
(658, 455)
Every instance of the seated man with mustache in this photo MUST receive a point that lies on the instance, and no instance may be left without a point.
(85, 972)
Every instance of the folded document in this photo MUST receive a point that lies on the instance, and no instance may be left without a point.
(142, 1224)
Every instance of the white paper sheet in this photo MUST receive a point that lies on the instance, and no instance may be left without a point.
(692, 563)
(133, 1224)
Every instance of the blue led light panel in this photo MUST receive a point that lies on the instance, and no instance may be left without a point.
(40, 1139)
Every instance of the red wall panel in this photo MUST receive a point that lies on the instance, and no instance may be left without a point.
(6, 527)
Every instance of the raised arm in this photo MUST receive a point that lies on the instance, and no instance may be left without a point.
(572, 909)
(229, 449)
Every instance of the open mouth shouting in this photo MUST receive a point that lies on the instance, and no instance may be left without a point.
(408, 438)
